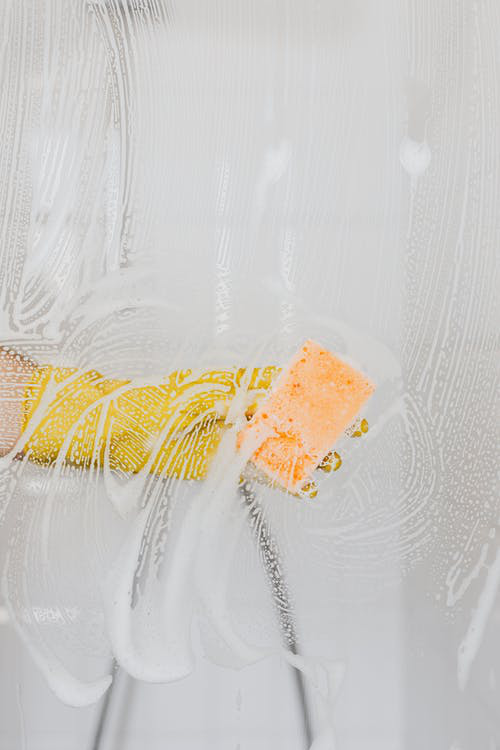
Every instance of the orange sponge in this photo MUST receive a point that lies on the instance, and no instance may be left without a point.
(315, 398)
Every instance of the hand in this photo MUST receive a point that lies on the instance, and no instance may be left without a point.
(15, 373)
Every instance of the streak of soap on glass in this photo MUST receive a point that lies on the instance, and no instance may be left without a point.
(248, 375)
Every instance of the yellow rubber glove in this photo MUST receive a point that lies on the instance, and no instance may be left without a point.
(174, 428)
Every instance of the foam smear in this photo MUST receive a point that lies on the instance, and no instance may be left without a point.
(156, 647)
(471, 643)
(324, 681)
(213, 562)
(69, 689)
(141, 651)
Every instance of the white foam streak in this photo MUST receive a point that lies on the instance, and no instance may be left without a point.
(470, 645)
(68, 688)
(324, 681)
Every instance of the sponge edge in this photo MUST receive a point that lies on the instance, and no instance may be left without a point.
(313, 401)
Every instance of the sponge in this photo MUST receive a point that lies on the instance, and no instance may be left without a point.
(314, 400)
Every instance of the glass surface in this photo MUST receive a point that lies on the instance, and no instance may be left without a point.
(196, 186)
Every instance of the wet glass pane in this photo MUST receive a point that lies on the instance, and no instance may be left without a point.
(248, 375)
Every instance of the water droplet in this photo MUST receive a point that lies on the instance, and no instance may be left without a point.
(415, 157)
